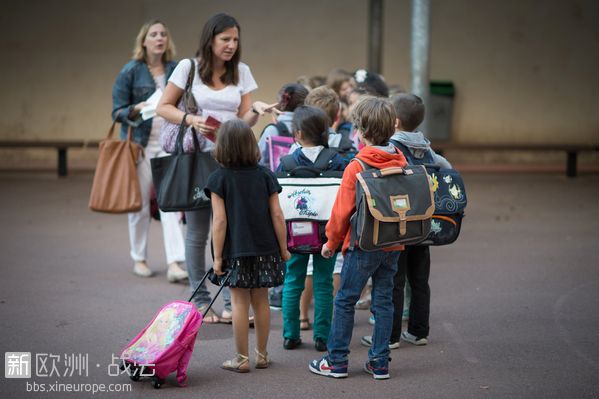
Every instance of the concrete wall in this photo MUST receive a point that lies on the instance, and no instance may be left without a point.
(524, 70)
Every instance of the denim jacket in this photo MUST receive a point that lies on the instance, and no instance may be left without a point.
(133, 85)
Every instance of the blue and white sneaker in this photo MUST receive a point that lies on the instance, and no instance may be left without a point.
(379, 368)
(325, 367)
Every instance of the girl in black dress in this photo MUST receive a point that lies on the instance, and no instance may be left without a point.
(248, 235)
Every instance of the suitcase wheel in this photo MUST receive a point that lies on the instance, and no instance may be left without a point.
(135, 373)
(157, 382)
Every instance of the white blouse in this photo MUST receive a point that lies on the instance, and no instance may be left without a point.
(220, 104)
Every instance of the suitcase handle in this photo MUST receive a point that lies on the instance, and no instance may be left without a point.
(217, 293)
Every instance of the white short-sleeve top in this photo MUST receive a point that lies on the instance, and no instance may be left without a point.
(221, 104)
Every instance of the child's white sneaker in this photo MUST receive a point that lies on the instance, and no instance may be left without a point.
(406, 336)
(366, 340)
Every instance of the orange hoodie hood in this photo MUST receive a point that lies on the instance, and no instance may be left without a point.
(381, 157)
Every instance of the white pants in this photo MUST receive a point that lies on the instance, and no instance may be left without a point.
(139, 222)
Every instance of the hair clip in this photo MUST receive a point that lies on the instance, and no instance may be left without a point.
(360, 75)
(285, 97)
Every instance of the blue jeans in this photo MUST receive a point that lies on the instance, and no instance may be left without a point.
(358, 266)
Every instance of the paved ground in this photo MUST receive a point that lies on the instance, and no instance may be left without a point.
(515, 303)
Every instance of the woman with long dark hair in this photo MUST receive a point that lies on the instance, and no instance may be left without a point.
(221, 88)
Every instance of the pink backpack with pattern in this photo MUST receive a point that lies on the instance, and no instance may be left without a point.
(278, 147)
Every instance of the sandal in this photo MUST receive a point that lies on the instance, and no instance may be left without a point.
(227, 318)
(305, 324)
(208, 317)
(262, 360)
(239, 364)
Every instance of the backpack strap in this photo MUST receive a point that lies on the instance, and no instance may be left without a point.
(353, 220)
(281, 127)
(322, 160)
(288, 163)
(283, 130)
(345, 144)
(353, 237)
(266, 127)
(428, 158)
(404, 150)
(364, 165)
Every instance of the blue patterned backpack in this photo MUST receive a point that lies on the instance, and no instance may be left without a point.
(450, 199)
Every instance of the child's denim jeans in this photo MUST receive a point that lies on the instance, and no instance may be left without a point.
(357, 268)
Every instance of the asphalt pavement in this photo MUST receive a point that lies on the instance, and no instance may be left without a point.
(514, 309)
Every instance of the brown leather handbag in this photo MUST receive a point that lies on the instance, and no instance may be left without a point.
(116, 186)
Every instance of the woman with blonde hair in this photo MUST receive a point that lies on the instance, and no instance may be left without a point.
(151, 66)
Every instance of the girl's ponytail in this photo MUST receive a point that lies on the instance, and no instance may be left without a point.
(291, 96)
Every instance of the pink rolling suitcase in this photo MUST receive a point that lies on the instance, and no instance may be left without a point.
(166, 343)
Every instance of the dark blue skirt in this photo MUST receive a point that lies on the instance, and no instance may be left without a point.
(262, 271)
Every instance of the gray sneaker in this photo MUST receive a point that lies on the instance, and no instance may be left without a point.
(406, 336)
(366, 340)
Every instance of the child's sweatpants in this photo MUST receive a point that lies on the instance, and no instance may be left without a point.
(322, 283)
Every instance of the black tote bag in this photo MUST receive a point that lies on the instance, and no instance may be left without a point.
(180, 178)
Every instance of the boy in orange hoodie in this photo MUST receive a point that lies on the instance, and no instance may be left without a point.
(374, 121)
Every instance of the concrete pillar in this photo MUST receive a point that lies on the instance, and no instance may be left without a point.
(375, 36)
(419, 51)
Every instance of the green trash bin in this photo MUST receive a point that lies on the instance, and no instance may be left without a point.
(439, 113)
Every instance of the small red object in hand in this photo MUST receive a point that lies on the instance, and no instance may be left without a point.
(212, 122)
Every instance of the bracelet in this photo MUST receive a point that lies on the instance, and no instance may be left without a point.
(254, 110)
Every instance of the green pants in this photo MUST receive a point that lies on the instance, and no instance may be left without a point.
(322, 282)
